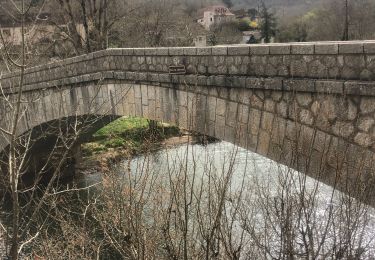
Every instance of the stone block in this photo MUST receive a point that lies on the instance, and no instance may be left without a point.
(267, 121)
(275, 152)
(322, 141)
(255, 83)
(154, 77)
(359, 88)
(141, 76)
(244, 114)
(259, 49)
(130, 75)
(366, 75)
(343, 129)
(306, 117)
(254, 121)
(238, 50)
(369, 47)
(127, 51)
(164, 77)
(220, 127)
(206, 51)
(329, 87)
(211, 108)
(202, 80)
(232, 114)
(219, 81)
(348, 73)
(117, 75)
(162, 51)
(263, 143)
(176, 79)
(363, 139)
(280, 49)
(190, 51)
(350, 48)
(230, 134)
(102, 53)
(304, 99)
(273, 83)
(302, 49)
(365, 123)
(176, 51)
(139, 51)
(114, 52)
(219, 51)
(299, 85)
(221, 107)
(107, 75)
(239, 82)
(191, 79)
(326, 48)
(211, 81)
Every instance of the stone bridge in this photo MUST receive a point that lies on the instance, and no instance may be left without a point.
(310, 106)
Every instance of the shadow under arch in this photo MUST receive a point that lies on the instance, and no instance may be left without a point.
(45, 144)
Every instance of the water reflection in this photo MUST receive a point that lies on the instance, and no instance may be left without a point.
(261, 183)
(266, 204)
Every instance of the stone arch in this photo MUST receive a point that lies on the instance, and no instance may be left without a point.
(310, 132)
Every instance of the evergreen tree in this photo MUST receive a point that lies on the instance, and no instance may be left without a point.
(268, 23)
(228, 3)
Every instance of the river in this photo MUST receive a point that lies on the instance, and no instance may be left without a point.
(259, 191)
(257, 181)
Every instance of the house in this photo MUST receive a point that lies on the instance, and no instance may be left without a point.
(215, 15)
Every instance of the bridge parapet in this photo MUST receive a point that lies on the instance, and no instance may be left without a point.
(234, 65)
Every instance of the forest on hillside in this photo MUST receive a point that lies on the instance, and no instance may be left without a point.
(282, 7)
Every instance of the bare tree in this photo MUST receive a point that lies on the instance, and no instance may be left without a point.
(18, 160)
(342, 20)
(345, 36)
(226, 33)
(89, 23)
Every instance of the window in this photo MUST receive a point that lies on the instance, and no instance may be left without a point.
(211, 19)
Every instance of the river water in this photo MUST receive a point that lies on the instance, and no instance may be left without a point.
(258, 181)
(258, 191)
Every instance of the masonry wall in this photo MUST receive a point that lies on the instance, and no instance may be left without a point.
(309, 106)
(327, 60)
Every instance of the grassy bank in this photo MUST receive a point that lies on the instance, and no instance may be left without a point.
(130, 133)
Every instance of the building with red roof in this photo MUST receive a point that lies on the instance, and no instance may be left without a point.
(215, 15)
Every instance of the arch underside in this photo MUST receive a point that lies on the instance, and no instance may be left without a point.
(296, 129)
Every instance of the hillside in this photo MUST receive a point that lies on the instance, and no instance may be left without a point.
(281, 7)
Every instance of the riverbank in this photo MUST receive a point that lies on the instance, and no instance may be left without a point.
(128, 137)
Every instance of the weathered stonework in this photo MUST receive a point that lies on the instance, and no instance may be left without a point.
(282, 101)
